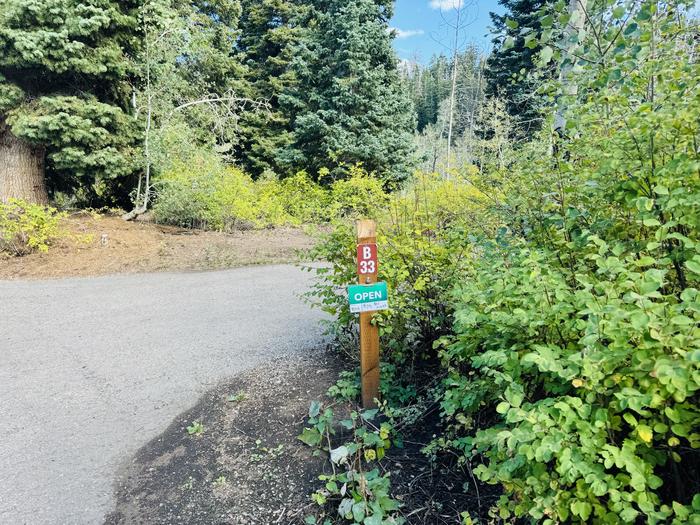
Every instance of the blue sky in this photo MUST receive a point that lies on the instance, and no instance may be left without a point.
(422, 29)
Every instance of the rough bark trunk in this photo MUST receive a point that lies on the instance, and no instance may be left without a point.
(21, 169)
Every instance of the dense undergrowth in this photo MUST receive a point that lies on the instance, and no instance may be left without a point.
(25, 227)
(557, 286)
(207, 194)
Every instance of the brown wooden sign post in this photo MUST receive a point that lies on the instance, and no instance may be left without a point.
(369, 334)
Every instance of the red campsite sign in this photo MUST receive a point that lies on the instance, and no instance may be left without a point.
(367, 259)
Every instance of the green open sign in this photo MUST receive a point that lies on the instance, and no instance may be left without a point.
(368, 297)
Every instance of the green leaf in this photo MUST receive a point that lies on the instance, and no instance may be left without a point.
(508, 43)
(546, 54)
(531, 41)
(375, 519)
(693, 266)
(345, 507)
(696, 502)
(369, 415)
(645, 433)
(682, 320)
(314, 409)
(639, 320)
(681, 511)
(512, 24)
(644, 13)
(358, 512)
(547, 21)
(645, 261)
(629, 514)
(338, 455)
(502, 407)
(310, 436)
(631, 29)
(582, 509)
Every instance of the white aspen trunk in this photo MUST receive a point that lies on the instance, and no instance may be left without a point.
(141, 206)
(455, 57)
(577, 10)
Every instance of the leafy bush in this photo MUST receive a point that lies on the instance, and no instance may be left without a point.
(207, 195)
(578, 338)
(570, 343)
(25, 227)
(358, 195)
(595, 378)
(423, 232)
(303, 199)
(204, 193)
(357, 491)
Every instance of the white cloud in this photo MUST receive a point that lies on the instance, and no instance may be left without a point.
(446, 4)
(406, 33)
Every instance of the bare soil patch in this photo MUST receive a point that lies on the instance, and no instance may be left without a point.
(103, 244)
(245, 467)
(248, 467)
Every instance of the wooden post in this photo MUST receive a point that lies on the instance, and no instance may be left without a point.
(369, 333)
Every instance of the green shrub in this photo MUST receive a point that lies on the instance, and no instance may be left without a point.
(563, 299)
(592, 380)
(25, 228)
(302, 199)
(357, 491)
(423, 237)
(357, 196)
(578, 330)
(205, 193)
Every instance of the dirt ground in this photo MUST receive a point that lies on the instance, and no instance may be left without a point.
(248, 467)
(245, 467)
(102, 244)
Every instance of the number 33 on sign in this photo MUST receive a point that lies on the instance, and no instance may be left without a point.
(367, 259)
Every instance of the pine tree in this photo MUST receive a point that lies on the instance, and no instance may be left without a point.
(64, 102)
(269, 34)
(435, 81)
(349, 105)
(516, 47)
(209, 63)
(430, 86)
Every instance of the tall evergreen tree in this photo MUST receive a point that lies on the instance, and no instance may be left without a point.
(63, 97)
(516, 47)
(269, 33)
(349, 105)
(210, 64)
(430, 86)
(435, 87)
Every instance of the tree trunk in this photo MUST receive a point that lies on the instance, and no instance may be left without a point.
(453, 90)
(21, 169)
(577, 11)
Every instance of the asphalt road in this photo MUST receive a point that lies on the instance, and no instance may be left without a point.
(93, 368)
